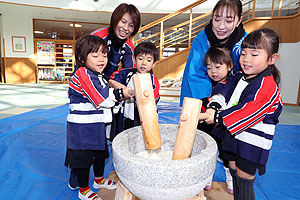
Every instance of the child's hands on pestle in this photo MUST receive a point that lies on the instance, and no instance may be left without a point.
(128, 92)
(211, 118)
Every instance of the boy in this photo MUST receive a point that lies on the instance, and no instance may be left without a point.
(145, 57)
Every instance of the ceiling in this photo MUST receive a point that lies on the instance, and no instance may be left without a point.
(99, 11)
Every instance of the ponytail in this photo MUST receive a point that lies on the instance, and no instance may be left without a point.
(276, 74)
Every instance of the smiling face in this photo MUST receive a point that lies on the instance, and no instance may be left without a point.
(144, 63)
(96, 61)
(224, 22)
(254, 61)
(216, 71)
(125, 27)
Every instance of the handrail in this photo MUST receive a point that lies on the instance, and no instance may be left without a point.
(180, 36)
(171, 15)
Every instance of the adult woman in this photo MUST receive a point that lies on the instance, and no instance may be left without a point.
(124, 24)
(224, 30)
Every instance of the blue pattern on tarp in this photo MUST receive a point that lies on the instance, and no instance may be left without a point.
(33, 146)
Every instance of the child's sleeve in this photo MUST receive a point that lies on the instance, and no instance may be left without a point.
(156, 87)
(259, 102)
(119, 76)
(96, 90)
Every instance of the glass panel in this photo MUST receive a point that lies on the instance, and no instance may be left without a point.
(85, 28)
(53, 30)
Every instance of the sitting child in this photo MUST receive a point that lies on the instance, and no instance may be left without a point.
(145, 55)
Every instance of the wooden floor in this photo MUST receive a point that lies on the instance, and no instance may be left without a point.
(217, 192)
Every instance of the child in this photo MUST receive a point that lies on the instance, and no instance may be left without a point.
(252, 104)
(145, 55)
(90, 113)
(219, 65)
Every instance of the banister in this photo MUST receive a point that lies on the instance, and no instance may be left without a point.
(171, 15)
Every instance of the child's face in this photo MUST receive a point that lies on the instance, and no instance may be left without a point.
(224, 22)
(96, 61)
(144, 63)
(216, 71)
(254, 61)
(125, 27)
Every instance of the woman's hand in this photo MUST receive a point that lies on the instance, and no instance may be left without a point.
(211, 118)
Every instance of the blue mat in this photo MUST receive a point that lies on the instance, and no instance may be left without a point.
(33, 145)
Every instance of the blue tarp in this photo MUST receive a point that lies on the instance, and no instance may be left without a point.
(33, 146)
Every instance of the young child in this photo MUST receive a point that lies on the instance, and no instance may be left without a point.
(145, 55)
(91, 100)
(219, 66)
(251, 104)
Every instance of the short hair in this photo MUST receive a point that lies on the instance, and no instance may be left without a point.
(218, 55)
(120, 11)
(146, 48)
(88, 44)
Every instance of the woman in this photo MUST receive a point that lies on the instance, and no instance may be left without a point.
(124, 24)
(224, 30)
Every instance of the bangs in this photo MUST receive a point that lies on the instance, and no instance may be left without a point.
(96, 44)
(254, 41)
(230, 12)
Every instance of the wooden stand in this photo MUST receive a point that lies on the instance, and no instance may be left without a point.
(147, 110)
(123, 194)
(189, 117)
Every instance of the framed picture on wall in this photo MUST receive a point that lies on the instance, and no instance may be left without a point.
(18, 44)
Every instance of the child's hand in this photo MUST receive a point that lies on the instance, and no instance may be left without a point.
(128, 92)
(211, 118)
(114, 84)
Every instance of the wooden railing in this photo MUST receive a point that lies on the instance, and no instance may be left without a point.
(176, 31)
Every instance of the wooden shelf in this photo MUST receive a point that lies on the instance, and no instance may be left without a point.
(61, 71)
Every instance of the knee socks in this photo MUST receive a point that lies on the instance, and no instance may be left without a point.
(245, 189)
(242, 188)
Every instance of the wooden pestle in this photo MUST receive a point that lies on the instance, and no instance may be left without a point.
(188, 121)
(147, 110)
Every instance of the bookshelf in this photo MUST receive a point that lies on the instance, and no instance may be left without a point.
(55, 61)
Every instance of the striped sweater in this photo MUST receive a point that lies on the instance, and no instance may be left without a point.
(90, 108)
(251, 111)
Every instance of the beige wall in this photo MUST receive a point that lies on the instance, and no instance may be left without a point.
(20, 70)
(287, 27)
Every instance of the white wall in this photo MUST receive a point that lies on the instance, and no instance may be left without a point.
(17, 25)
(289, 66)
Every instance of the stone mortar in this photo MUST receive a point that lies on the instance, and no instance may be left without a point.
(150, 179)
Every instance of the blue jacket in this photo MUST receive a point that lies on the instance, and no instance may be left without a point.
(196, 83)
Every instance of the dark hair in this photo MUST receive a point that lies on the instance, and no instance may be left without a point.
(146, 48)
(268, 40)
(235, 5)
(120, 11)
(218, 55)
(88, 44)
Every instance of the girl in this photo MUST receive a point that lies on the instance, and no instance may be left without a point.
(219, 67)
(90, 113)
(224, 30)
(252, 104)
(124, 24)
